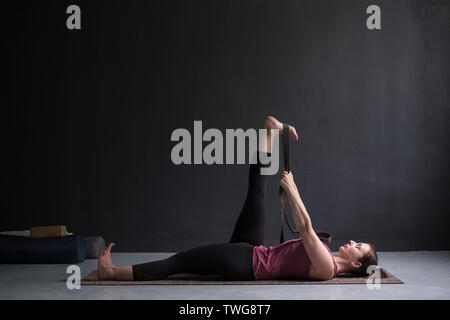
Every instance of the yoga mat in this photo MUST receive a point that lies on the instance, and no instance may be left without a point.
(193, 279)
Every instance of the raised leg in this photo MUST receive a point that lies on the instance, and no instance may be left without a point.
(250, 224)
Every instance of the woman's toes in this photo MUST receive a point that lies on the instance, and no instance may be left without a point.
(272, 123)
(293, 132)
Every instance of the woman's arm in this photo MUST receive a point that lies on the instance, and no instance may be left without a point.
(321, 260)
(299, 214)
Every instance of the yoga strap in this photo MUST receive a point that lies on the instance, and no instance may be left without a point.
(323, 236)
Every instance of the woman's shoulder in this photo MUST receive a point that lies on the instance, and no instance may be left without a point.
(323, 265)
(332, 258)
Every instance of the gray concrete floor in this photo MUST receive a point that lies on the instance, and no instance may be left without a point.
(426, 276)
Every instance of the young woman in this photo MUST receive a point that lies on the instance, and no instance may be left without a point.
(244, 257)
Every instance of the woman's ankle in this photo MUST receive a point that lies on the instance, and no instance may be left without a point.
(124, 273)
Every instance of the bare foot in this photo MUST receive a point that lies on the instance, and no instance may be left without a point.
(272, 123)
(105, 267)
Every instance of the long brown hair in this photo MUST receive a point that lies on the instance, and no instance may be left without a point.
(371, 258)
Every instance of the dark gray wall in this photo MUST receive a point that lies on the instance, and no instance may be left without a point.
(89, 113)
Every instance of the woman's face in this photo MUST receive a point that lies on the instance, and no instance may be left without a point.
(353, 251)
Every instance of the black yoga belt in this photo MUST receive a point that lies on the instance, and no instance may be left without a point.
(323, 236)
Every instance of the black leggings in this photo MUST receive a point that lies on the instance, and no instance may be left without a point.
(233, 260)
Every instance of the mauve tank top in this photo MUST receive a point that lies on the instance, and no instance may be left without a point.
(286, 260)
